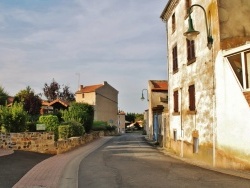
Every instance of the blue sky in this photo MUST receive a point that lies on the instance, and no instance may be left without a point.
(121, 42)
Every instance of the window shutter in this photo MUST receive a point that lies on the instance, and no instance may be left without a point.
(191, 91)
(176, 105)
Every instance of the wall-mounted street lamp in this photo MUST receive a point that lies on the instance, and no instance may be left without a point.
(191, 33)
(142, 96)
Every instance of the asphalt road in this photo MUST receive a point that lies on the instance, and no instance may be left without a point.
(128, 161)
(13, 167)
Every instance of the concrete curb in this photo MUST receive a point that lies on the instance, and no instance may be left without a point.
(50, 172)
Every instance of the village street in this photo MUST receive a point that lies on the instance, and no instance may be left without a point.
(128, 161)
(113, 162)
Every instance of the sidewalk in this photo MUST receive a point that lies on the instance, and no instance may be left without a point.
(5, 152)
(60, 170)
(238, 173)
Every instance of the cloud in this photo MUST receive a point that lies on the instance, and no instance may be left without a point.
(122, 42)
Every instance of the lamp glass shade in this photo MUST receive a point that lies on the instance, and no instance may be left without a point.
(191, 35)
(142, 97)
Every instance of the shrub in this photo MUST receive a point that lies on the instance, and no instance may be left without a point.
(76, 129)
(31, 126)
(51, 123)
(70, 129)
(63, 131)
(99, 126)
(80, 112)
(13, 118)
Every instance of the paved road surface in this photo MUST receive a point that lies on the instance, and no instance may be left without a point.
(128, 161)
(14, 166)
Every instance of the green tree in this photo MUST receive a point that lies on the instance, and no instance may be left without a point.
(139, 117)
(3, 96)
(31, 102)
(130, 117)
(80, 112)
(13, 118)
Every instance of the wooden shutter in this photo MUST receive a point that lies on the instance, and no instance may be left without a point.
(191, 91)
(176, 105)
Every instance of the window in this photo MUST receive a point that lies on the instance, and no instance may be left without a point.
(175, 59)
(173, 23)
(83, 95)
(240, 64)
(190, 51)
(176, 102)
(191, 91)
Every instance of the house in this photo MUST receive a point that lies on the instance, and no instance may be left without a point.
(53, 106)
(157, 108)
(104, 98)
(208, 82)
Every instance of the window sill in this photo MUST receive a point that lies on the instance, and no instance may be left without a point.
(191, 61)
(192, 112)
(176, 113)
(175, 71)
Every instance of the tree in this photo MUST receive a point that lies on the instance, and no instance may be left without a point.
(80, 112)
(66, 95)
(3, 96)
(130, 117)
(13, 118)
(31, 102)
(52, 92)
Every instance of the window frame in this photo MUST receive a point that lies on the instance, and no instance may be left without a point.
(176, 101)
(191, 94)
(191, 58)
(173, 22)
(175, 59)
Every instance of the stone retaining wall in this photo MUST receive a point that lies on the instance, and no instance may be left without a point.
(43, 142)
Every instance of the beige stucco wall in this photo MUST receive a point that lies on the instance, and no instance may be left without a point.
(234, 22)
(214, 123)
(88, 98)
(154, 101)
(199, 73)
(105, 102)
(106, 106)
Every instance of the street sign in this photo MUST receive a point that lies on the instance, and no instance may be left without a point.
(40, 127)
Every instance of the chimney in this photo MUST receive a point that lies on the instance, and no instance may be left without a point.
(81, 87)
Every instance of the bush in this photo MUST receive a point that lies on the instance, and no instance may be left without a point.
(13, 118)
(76, 129)
(80, 112)
(99, 126)
(31, 126)
(51, 123)
(63, 131)
(70, 129)
(111, 128)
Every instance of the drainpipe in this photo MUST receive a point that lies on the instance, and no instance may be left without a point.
(181, 154)
(214, 110)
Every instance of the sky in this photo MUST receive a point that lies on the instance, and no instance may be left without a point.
(83, 42)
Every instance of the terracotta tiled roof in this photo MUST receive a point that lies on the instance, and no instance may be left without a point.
(159, 85)
(65, 103)
(45, 103)
(88, 89)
